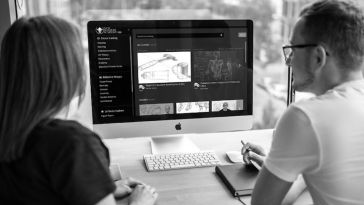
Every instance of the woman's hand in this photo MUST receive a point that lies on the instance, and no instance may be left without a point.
(125, 186)
(143, 195)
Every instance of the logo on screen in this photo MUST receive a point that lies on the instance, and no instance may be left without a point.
(178, 126)
(105, 30)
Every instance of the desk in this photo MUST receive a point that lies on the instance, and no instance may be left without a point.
(197, 186)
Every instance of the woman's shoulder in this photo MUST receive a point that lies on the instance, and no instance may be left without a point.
(58, 126)
(61, 132)
(65, 126)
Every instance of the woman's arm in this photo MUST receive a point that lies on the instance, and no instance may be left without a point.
(107, 200)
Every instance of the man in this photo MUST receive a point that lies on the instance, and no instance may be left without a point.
(225, 107)
(321, 138)
(167, 109)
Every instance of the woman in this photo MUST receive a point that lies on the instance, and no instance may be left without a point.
(44, 159)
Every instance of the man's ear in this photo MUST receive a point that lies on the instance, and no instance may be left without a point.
(320, 57)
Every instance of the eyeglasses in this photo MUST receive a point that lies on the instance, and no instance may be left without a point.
(288, 51)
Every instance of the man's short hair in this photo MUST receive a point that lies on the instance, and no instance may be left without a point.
(338, 26)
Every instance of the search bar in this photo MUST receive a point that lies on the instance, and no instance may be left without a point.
(181, 35)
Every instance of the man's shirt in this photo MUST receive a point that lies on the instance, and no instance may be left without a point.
(323, 139)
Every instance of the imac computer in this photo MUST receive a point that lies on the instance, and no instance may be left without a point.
(164, 78)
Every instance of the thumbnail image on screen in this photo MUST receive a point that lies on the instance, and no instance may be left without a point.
(218, 65)
(156, 109)
(164, 67)
(227, 105)
(192, 107)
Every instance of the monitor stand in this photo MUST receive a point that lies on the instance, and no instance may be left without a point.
(172, 144)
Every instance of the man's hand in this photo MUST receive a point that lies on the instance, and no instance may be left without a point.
(253, 152)
(125, 186)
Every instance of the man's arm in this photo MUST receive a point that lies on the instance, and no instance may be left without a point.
(294, 150)
(297, 188)
(269, 189)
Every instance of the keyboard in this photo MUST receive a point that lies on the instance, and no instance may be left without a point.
(161, 162)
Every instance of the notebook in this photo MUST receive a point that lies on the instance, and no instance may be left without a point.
(239, 178)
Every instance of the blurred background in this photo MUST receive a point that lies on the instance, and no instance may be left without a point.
(273, 23)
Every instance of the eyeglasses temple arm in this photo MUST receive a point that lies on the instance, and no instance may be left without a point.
(290, 90)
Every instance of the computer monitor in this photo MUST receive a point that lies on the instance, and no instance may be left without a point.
(170, 77)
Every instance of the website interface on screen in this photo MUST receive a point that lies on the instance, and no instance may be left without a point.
(140, 74)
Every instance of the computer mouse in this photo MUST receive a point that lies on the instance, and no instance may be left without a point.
(235, 156)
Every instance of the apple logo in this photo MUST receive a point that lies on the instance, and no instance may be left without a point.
(178, 126)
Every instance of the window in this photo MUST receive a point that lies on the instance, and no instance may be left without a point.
(273, 22)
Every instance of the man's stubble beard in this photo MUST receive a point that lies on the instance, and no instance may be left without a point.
(306, 84)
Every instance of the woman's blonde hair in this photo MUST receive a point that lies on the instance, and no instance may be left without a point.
(41, 70)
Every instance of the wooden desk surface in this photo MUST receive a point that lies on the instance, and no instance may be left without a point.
(196, 186)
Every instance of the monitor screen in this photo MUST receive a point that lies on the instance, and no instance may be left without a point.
(170, 76)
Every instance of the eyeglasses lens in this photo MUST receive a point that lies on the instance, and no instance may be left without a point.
(287, 53)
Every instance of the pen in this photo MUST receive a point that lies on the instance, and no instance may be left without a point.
(255, 164)
(242, 142)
